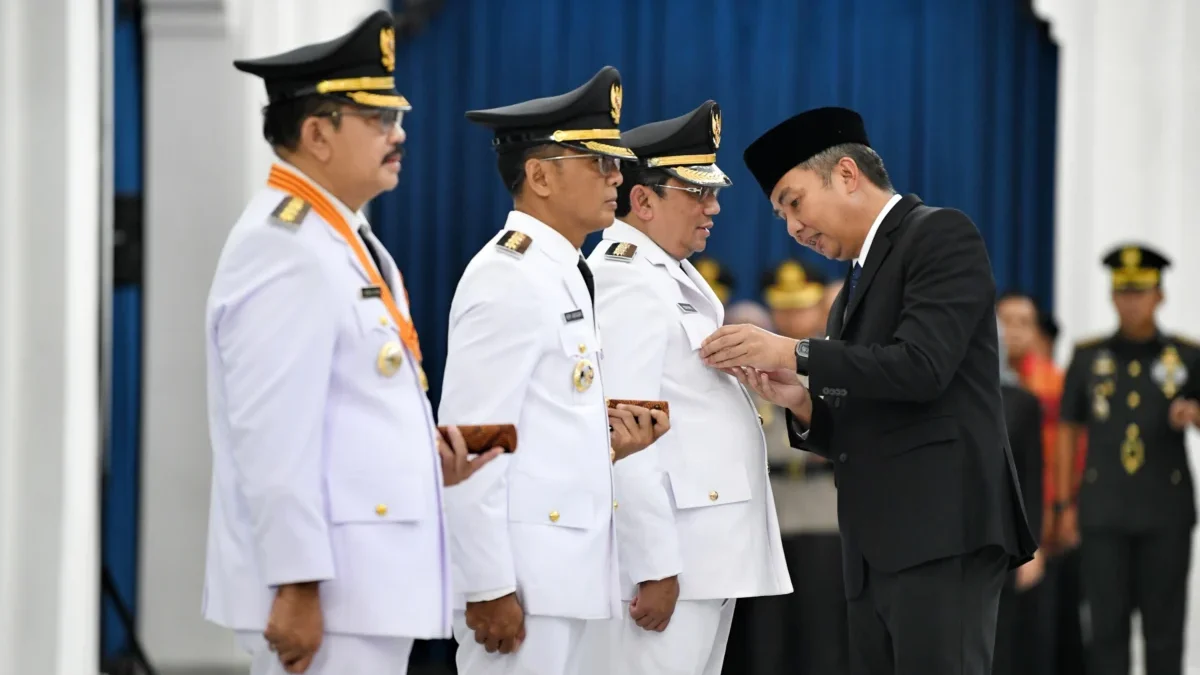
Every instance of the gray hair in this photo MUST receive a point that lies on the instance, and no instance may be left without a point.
(869, 163)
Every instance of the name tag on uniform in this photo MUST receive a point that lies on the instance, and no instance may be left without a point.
(575, 315)
(686, 308)
(369, 292)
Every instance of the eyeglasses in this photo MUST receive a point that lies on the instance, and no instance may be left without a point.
(604, 163)
(697, 192)
(387, 118)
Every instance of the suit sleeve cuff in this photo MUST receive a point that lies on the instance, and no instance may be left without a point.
(485, 596)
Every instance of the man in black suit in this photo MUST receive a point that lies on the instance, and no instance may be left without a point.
(908, 407)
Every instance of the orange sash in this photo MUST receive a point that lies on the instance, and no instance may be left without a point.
(287, 181)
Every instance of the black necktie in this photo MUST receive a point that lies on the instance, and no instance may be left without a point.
(362, 232)
(587, 279)
(854, 276)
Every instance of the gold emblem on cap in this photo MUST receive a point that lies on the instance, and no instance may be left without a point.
(1133, 451)
(1131, 256)
(583, 375)
(614, 98)
(387, 45)
(391, 357)
(716, 128)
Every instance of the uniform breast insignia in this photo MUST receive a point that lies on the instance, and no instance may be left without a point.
(583, 375)
(369, 292)
(621, 251)
(1104, 365)
(291, 211)
(514, 243)
(391, 357)
(1133, 451)
(686, 308)
(1100, 395)
(572, 316)
(1169, 372)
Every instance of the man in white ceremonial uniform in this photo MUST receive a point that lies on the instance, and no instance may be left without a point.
(697, 517)
(327, 549)
(531, 535)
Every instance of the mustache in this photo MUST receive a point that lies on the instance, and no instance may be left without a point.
(397, 153)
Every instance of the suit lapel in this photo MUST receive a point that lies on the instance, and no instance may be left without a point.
(837, 313)
(880, 248)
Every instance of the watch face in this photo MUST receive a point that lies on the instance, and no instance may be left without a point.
(802, 348)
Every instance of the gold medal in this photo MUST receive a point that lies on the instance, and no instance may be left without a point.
(391, 357)
(423, 378)
(1133, 451)
(583, 375)
(1100, 407)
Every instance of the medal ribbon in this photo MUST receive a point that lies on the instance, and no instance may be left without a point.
(286, 181)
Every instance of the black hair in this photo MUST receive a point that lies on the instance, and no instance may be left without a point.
(633, 174)
(869, 163)
(511, 165)
(282, 119)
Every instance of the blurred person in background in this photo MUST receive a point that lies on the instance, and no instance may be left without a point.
(697, 529)
(794, 292)
(1022, 639)
(326, 549)
(1135, 393)
(717, 276)
(532, 539)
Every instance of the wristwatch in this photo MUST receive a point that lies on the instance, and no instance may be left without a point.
(802, 357)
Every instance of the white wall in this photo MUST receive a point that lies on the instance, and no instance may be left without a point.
(204, 157)
(1128, 164)
(50, 187)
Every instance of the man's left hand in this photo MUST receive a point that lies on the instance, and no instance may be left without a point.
(747, 345)
(1184, 412)
(457, 465)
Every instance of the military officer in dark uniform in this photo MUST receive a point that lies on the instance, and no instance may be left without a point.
(1134, 393)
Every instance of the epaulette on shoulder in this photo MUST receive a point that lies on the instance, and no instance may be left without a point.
(621, 251)
(291, 211)
(1186, 341)
(1088, 343)
(514, 243)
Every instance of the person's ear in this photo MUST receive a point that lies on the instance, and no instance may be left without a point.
(642, 202)
(537, 177)
(315, 137)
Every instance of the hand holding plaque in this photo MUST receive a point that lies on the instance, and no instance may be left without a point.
(485, 442)
(632, 428)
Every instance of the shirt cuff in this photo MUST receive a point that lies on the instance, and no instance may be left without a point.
(799, 430)
(485, 596)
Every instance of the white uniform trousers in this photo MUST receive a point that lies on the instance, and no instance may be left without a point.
(552, 646)
(693, 643)
(338, 655)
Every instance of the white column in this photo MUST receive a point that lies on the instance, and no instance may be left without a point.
(1128, 147)
(50, 186)
(204, 157)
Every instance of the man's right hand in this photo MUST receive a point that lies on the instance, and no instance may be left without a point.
(499, 624)
(655, 603)
(1066, 528)
(295, 627)
(781, 387)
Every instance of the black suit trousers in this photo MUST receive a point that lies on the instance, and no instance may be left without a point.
(937, 617)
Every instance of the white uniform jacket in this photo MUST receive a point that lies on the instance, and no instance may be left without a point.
(324, 468)
(538, 521)
(713, 508)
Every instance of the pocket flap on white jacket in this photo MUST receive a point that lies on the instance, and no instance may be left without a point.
(712, 489)
(377, 497)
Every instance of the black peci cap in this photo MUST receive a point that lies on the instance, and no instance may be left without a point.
(798, 139)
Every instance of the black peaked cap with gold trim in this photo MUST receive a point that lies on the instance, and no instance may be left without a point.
(685, 147)
(793, 285)
(719, 278)
(1136, 267)
(585, 119)
(358, 67)
(799, 138)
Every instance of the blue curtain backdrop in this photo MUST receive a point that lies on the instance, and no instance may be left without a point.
(959, 99)
(119, 523)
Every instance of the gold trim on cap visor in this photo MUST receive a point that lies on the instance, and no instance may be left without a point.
(585, 135)
(681, 160)
(1144, 277)
(379, 100)
(355, 84)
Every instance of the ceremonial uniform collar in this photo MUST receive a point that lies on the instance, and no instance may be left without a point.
(545, 238)
(624, 232)
(355, 219)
